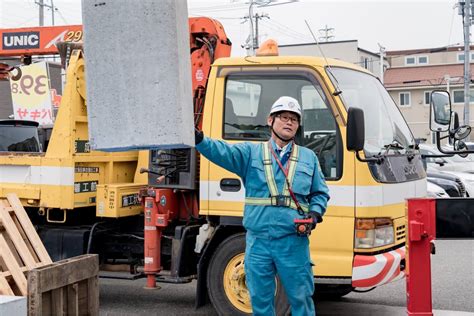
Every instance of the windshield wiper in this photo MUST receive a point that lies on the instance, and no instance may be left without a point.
(395, 144)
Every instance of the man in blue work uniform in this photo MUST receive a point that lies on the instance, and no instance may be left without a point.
(283, 182)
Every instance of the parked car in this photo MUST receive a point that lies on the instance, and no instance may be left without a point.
(466, 178)
(435, 191)
(17, 135)
(453, 163)
(450, 183)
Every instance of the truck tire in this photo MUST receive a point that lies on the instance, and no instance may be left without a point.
(226, 280)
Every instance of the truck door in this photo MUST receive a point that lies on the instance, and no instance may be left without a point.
(240, 114)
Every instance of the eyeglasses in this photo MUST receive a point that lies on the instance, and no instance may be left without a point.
(286, 118)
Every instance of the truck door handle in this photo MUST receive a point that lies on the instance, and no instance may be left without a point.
(230, 185)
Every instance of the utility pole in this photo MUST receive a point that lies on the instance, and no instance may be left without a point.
(41, 12)
(258, 17)
(52, 12)
(381, 63)
(327, 34)
(252, 37)
(465, 10)
(42, 5)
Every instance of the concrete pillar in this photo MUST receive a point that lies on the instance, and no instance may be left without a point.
(138, 74)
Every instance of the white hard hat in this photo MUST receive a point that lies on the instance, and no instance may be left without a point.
(286, 104)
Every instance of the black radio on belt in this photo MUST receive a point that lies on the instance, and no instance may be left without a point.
(303, 226)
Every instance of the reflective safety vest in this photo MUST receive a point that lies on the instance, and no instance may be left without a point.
(277, 199)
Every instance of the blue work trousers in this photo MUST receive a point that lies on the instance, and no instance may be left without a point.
(289, 258)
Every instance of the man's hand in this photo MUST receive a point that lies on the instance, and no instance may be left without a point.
(316, 217)
(198, 136)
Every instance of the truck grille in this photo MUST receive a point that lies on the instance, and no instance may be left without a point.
(462, 188)
(400, 233)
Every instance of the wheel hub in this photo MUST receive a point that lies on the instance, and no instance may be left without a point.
(235, 286)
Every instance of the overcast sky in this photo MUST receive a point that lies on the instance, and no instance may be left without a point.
(395, 24)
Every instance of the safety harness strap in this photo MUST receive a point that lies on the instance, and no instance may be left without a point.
(287, 201)
(277, 199)
(267, 165)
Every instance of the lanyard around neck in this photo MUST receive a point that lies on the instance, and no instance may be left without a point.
(277, 159)
(285, 172)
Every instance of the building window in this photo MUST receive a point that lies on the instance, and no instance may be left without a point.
(404, 98)
(427, 95)
(410, 61)
(422, 60)
(461, 57)
(458, 96)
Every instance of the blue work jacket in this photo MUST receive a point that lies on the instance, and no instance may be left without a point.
(246, 160)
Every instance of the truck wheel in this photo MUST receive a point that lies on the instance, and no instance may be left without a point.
(226, 280)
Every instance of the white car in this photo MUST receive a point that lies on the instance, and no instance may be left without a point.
(435, 191)
(467, 178)
(454, 163)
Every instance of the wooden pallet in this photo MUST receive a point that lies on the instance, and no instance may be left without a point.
(21, 249)
(66, 287)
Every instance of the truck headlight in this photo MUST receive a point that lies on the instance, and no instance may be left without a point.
(373, 232)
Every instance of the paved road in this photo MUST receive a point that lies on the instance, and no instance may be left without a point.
(453, 290)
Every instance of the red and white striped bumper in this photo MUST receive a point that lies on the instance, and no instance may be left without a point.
(370, 271)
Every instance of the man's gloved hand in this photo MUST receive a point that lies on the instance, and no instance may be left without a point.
(316, 217)
(198, 136)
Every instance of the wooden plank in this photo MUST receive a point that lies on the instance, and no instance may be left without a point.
(35, 297)
(73, 299)
(57, 301)
(5, 288)
(28, 243)
(93, 296)
(17, 239)
(67, 272)
(7, 274)
(28, 228)
(11, 246)
(13, 266)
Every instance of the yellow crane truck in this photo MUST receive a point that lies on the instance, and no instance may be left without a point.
(87, 201)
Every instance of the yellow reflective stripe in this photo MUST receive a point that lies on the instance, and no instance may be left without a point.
(258, 201)
(267, 164)
(291, 169)
(268, 201)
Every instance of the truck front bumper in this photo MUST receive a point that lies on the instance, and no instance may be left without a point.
(375, 270)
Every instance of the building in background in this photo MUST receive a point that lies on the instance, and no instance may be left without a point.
(413, 74)
(348, 51)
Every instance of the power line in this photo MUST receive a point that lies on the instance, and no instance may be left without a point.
(289, 30)
(286, 34)
(43, 5)
(451, 24)
(285, 31)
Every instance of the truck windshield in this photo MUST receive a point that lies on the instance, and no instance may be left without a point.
(385, 126)
(19, 138)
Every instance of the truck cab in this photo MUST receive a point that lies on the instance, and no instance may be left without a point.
(360, 243)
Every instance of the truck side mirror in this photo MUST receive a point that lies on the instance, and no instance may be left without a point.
(440, 111)
(355, 132)
(457, 132)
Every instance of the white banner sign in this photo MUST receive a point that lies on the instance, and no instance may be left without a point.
(31, 94)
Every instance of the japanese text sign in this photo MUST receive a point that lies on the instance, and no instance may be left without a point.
(31, 94)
